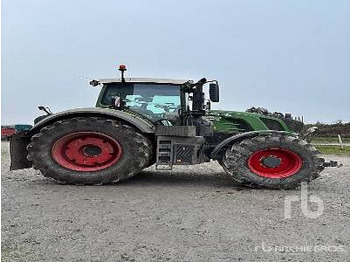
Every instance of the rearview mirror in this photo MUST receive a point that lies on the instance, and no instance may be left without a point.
(214, 92)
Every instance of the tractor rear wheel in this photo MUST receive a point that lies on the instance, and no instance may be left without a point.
(272, 161)
(89, 151)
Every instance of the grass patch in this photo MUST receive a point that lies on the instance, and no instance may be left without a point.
(334, 150)
(329, 140)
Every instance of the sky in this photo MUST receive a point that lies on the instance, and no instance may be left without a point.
(288, 56)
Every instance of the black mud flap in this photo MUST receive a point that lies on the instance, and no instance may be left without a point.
(18, 151)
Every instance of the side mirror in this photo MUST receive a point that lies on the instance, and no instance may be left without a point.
(214, 92)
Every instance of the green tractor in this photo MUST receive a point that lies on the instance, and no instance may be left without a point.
(139, 122)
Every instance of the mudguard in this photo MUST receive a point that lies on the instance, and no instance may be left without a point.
(143, 125)
(231, 140)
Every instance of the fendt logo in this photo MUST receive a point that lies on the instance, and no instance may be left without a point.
(304, 200)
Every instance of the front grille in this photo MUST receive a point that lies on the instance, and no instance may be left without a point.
(272, 124)
(295, 126)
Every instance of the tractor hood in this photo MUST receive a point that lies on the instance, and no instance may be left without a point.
(253, 121)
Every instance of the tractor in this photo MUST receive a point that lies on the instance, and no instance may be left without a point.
(139, 122)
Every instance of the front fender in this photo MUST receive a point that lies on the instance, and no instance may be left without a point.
(231, 140)
(143, 125)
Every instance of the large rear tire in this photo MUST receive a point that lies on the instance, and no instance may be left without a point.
(272, 161)
(89, 151)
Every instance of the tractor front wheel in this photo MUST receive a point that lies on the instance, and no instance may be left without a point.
(89, 151)
(272, 161)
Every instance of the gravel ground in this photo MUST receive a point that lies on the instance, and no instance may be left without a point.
(191, 214)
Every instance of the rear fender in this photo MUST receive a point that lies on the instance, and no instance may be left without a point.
(143, 125)
(239, 137)
(19, 143)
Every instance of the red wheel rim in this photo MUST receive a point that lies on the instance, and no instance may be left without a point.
(275, 163)
(86, 151)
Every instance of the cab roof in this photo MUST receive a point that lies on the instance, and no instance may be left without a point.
(143, 80)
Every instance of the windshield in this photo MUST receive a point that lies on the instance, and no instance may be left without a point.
(155, 101)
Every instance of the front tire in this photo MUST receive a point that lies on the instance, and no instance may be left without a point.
(89, 151)
(272, 161)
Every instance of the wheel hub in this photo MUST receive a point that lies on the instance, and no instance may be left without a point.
(271, 161)
(86, 151)
(92, 150)
(275, 163)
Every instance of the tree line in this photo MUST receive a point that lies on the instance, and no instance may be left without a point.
(331, 130)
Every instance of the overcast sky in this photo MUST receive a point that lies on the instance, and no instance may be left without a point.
(288, 56)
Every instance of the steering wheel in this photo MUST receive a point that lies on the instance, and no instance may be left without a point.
(167, 107)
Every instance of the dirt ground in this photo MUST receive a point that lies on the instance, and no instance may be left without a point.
(191, 214)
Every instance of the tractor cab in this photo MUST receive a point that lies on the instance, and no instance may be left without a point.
(155, 99)
(166, 101)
